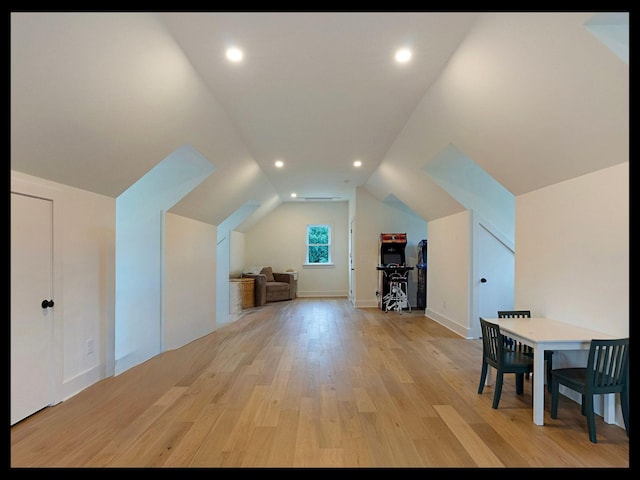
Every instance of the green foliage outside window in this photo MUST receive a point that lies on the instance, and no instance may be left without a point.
(318, 243)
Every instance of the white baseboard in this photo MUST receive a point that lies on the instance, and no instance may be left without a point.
(81, 381)
(446, 322)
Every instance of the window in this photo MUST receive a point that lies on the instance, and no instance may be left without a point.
(318, 244)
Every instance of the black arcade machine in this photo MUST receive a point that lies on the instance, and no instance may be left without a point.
(393, 272)
(421, 301)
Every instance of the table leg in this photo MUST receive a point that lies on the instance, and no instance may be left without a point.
(538, 386)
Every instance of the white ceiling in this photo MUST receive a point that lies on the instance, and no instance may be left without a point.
(318, 90)
(99, 98)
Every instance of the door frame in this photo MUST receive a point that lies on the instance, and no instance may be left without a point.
(20, 184)
(477, 223)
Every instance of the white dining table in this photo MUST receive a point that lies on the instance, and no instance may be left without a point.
(546, 334)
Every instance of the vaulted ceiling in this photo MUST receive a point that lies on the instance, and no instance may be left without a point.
(100, 98)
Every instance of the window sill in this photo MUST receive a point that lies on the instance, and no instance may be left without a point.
(318, 265)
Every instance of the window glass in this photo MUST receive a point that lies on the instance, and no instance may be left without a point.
(318, 244)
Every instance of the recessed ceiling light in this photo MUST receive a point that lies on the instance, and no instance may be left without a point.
(403, 55)
(279, 163)
(294, 195)
(234, 54)
(357, 163)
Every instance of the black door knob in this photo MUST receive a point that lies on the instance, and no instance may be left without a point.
(47, 303)
(483, 280)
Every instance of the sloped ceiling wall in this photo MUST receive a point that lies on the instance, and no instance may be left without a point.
(612, 29)
(116, 105)
(533, 99)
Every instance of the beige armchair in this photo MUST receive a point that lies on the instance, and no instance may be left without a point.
(272, 286)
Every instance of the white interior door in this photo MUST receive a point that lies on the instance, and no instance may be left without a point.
(496, 263)
(352, 297)
(31, 323)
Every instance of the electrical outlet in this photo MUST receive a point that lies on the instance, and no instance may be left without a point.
(90, 346)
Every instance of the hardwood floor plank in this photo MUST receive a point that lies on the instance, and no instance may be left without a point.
(354, 444)
(329, 428)
(283, 448)
(258, 448)
(243, 429)
(440, 448)
(313, 383)
(268, 412)
(184, 452)
(473, 444)
(377, 443)
(364, 403)
(307, 445)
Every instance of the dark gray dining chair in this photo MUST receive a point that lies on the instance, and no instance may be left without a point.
(607, 371)
(548, 354)
(504, 360)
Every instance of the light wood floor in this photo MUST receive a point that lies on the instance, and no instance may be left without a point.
(312, 383)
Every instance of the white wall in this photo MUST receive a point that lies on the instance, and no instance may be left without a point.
(190, 280)
(140, 231)
(572, 257)
(84, 281)
(237, 254)
(448, 269)
(279, 240)
(371, 219)
(88, 271)
(365, 247)
(571, 260)
(572, 251)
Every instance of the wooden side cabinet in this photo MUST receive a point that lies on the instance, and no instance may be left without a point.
(241, 294)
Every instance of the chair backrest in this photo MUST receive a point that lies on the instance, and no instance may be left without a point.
(514, 313)
(492, 342)
(511, 344)
(607, 365)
